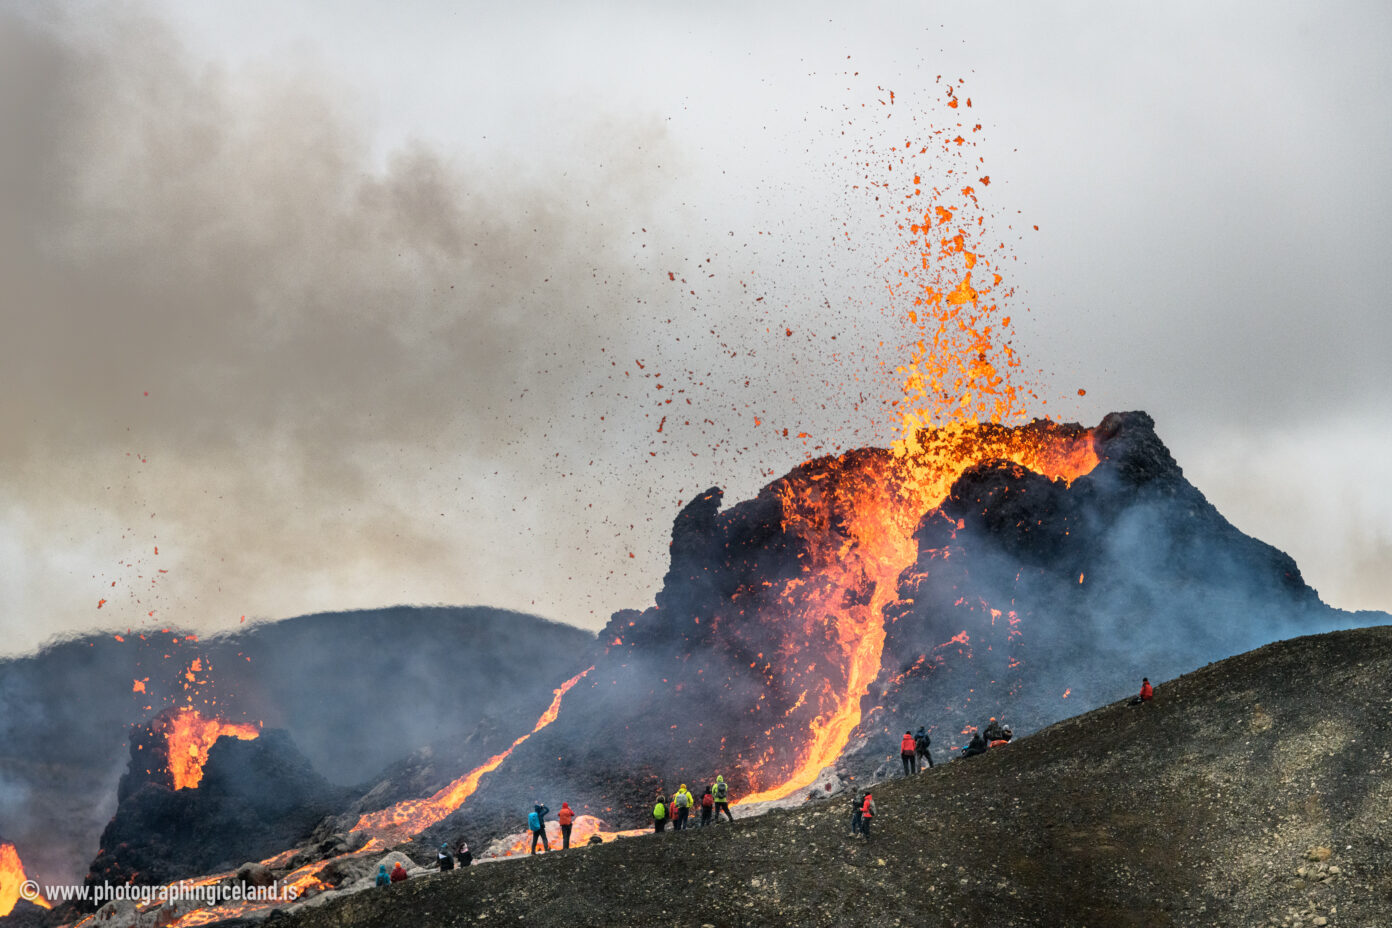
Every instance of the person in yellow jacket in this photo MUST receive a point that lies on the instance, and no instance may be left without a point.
(682, 803)
(722, 798)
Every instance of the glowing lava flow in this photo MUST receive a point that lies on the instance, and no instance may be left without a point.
(11, 879)
(189, 736)
(582, 829)
(413, 816)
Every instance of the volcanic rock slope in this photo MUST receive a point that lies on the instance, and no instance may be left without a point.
(1254, 791)
(1029, 599)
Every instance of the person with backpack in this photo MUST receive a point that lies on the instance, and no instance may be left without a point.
(660, 814)
(707, 806)
(906, 753)
(536, 821)
(444, 858)
(722, 798)
(682, 802)
(867, 814)
(922, 747)
(567, 818)
(857, 809)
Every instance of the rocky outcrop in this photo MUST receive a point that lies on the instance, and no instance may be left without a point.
(256, 799)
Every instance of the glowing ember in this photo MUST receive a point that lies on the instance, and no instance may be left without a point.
(11, 879)
(413, 816)
(189, 736)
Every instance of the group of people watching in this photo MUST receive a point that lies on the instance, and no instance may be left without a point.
(914, 750)
(862, 813)
(993, 735)
(677, 810)
(536, 822)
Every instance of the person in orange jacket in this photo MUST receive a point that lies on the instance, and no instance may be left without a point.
(1147, 694)
(566, 817)
(907, 752)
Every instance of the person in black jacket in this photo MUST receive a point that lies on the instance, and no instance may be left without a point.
(921, 745)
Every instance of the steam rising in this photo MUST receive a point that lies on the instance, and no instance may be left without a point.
(226, 315)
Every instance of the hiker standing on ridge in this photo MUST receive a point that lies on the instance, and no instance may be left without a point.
(707, 806)
(660, 814)
(443, 857)
(536, 820)
(682, 801)
(906, 753)
(867, 814)
(566, 817)
(857, 809)
(922, 745)
(722, 798)
(463, 854)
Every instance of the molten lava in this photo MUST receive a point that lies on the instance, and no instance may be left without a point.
(412, 816)
(189, 736)
(11, 879)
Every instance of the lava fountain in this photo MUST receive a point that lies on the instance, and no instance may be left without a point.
(855, 515)
(188, 736)
(12, 878)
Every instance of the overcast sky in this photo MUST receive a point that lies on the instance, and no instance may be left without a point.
(311, 307)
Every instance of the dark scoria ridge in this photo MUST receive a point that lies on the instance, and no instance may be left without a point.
(1254, 791)
(703, 682)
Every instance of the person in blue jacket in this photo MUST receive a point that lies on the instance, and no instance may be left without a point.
(536, 820)
(383, 877)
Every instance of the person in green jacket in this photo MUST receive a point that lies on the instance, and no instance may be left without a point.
(660, 814)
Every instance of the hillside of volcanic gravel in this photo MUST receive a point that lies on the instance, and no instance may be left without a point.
(1253, 791)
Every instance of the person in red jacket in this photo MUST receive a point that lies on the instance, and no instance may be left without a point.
(399, 873)
(1147, 694)
(907, 752)
(867, 812)
(566, 817)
